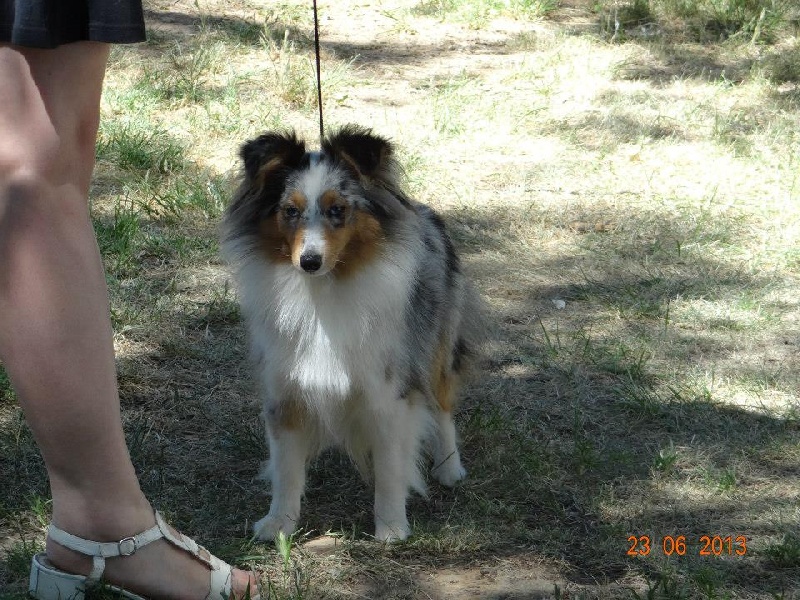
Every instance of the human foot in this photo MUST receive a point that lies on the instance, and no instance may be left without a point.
(157, 570)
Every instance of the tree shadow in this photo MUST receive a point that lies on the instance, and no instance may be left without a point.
(171, 26)
(564, 421)
(666, 57)
(562, 433)
(178, 26)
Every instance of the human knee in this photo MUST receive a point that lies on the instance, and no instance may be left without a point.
(31, 207)
(39, 139)
(23, 199)
(36, 151)
(28, 141)
(24, 165)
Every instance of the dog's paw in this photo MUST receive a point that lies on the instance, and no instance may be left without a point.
(450, 472)
(392, 532)
(268, 528)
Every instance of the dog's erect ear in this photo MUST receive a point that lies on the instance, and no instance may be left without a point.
(270, 152)
(367, 154)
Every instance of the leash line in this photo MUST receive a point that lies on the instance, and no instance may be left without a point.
(319, 77)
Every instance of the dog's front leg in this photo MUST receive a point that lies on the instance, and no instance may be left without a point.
(395, 455)
(289, 448)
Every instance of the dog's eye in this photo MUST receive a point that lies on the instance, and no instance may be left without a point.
(291, 212)
(336, 211)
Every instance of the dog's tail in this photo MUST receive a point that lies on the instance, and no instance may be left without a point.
(474, 333)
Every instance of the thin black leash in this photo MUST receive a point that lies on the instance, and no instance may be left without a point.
(319, 77)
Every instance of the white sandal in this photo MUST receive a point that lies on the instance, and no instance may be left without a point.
(49, 583)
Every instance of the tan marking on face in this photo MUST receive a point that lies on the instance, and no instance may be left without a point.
(299, 200)
(274, 240)
(294, 232)
(328, 199)
(353, 245)
(296, 245)
(280, 237)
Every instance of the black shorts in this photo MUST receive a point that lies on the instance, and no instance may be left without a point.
(51, 23)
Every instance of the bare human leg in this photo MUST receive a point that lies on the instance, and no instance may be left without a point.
(55, 330)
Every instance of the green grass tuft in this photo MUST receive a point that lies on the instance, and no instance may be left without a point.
(476, 13)
(7, 394)
(786, 553)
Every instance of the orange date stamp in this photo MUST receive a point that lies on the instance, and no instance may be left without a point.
(680, 545)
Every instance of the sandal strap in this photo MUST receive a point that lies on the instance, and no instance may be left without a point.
(99, 551)
(221, 572)
(187, 544)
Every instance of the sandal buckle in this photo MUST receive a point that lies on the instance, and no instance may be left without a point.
(127, 546)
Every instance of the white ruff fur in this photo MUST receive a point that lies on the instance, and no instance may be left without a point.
(330, 341)
(324, 338)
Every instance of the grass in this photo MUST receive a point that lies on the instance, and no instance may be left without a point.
(477, 14)
(753, 21)
(630, 212)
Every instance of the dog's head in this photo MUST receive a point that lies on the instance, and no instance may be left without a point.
(325, 212)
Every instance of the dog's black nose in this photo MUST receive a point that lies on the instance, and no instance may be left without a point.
(310, 262)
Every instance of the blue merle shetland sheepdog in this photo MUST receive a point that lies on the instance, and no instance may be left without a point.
(360, 320)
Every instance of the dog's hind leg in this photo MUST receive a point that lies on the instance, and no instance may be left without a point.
(447, 468)
(290, 445)
(396, 439)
